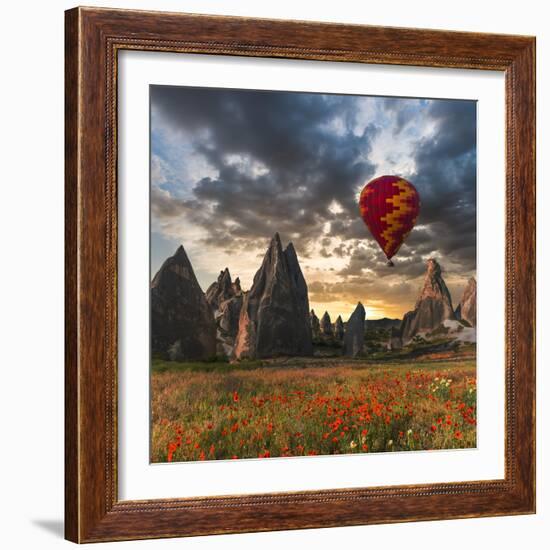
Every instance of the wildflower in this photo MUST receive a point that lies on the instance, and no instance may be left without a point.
(390, 442)
(171, 449)
(235, 397)
(353, 445)
(433, 428)
(409, 432)
(458, 434)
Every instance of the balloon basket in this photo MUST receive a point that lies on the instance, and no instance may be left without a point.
(390, 263)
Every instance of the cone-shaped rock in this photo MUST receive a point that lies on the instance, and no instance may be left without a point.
(221, 290)
(432, 307)
(225, 298)
(326, 324)
(467, 308)
(236, 285)
(339, 328)
(395, 338)
(355, 332)
(315, 325)
(272, 320)
(298, 280)
(182, 323)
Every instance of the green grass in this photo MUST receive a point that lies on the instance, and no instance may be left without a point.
(304, 406)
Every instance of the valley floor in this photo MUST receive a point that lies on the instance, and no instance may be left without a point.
(311, 406)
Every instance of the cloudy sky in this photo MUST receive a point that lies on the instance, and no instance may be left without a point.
(229, 168)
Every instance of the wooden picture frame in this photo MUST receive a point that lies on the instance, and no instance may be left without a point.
(93, 511)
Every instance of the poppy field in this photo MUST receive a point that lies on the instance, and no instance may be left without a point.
(300, 408)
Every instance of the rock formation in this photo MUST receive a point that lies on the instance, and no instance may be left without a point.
(467, 308)
(395, 338)
(225, 298)
(432, 307)
(339, 328)
(220, 290)
(182, 323)
(326, 325)
(315, 325)
(355, 332)
(300, 284)
(274, 318)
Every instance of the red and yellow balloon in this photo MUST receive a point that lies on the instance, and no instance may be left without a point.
(389, 206)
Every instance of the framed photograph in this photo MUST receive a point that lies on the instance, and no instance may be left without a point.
(300, 275)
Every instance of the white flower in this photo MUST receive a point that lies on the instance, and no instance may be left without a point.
(390, 442)
(409, 432)
(353, 444)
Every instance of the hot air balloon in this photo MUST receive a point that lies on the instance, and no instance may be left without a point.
(389, 206)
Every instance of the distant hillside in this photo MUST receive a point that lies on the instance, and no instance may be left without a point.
(383, 324)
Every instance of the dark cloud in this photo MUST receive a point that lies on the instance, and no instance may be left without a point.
(446, 180)
(283, 159)
(292, 163)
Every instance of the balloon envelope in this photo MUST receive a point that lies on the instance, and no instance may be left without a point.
(389, 206)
